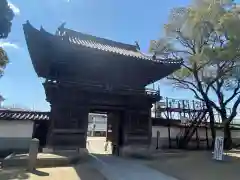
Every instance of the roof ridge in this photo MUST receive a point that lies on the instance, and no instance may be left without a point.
(21, 111)
(85, 36)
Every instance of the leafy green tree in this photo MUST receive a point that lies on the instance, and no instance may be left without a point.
(206, 36)
(6, 16)
(3, 60)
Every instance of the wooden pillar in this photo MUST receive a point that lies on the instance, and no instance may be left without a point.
(150, 126)
(197, 138)
(207, 140)
(169, 136)
(113, 124)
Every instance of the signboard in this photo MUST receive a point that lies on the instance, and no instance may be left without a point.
(218, 148)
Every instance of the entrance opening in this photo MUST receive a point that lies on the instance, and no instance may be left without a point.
(105, 132)
(97, 134)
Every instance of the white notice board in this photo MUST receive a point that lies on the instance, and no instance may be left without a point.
(218, 148)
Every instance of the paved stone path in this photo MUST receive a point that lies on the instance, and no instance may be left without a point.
(96, 145)
(114, 168)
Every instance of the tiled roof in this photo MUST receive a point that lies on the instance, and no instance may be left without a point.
(102, 44)
(23, 115)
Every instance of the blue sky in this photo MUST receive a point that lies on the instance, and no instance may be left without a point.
(124, 21)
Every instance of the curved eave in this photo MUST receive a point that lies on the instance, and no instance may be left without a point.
(37, 46)
(134, 53)
(47, 50)
(144, 68)
(161, 72)
(110, 67)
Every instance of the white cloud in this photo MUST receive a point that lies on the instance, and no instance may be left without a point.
(8, 45)
(15, 9)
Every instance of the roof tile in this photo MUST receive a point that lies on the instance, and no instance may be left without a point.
(23, 115)
(102, 44)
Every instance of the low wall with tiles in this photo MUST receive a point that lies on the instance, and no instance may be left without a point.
(15, 135)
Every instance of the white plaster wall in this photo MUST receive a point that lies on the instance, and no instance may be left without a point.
(235, 133)
(201, 132)
(174, 131)
(163, 131)
(16, 129)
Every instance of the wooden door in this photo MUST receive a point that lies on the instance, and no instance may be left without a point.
(113, 127)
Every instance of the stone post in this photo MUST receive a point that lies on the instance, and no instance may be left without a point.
(33, 152)
(158, 139)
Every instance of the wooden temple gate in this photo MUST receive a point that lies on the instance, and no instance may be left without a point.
(84, 74)
(129, 120)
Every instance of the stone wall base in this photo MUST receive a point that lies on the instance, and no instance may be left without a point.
(83, 152)
(80, 152)
(138, 151)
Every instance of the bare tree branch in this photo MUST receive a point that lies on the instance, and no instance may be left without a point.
(185, 42)
(181, 81)
(186, 85)
(234, 109)
(234, 94)
(181, 51)
(187, 67)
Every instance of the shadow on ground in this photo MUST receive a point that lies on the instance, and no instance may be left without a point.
(10, 174)
(40, 173)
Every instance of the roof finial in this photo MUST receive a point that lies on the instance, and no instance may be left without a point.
(137, 45)
(41, 28)
(60, 29)
(62, 25)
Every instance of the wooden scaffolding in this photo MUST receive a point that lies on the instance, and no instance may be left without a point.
(192, 115)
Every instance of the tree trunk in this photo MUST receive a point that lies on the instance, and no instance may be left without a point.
(227, 136)
(212, 123)
(213, 130)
